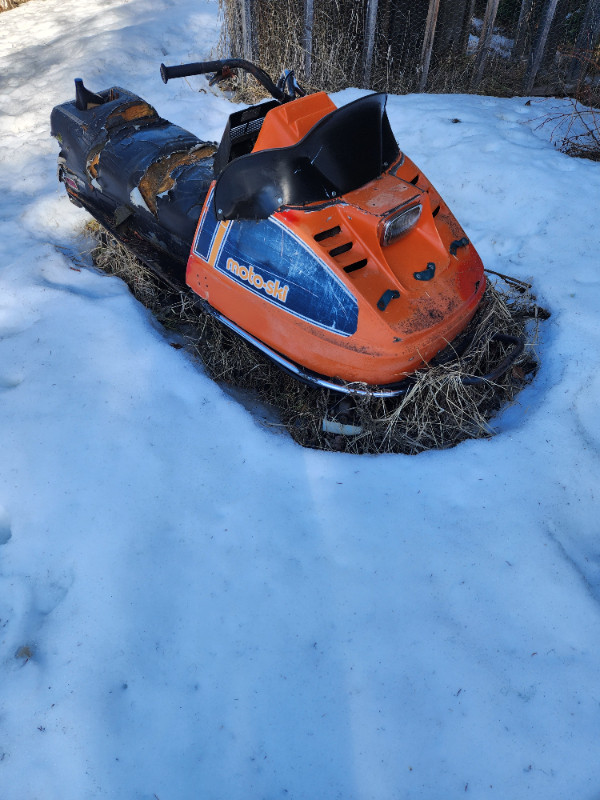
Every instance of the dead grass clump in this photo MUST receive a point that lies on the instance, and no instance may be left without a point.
(278, 40)
(8, 5)
(438, 410)
(113, 258)
(576, 130)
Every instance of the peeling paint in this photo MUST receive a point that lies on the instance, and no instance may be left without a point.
(137, 199)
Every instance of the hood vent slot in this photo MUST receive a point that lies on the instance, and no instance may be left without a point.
(342, 248)
(339, 250)
(319, 237)
(356, 265)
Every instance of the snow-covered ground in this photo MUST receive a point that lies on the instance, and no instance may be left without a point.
(191, 605)
(498, 43)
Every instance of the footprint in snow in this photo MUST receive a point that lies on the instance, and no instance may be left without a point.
(7, 382)
(5, 529)
(586, 411)
(25, 604)
(14, 319)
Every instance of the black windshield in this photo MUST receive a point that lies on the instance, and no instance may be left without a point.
(345, 150)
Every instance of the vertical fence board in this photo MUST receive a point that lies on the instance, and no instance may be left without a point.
(247, 29)
(309, 15)
(466, 28)
(540, 46)
(586, 39)
(372, 7)
(485, 40)
(432, 15)
(518, 47)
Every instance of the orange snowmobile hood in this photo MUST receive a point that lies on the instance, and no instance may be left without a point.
(320, 284)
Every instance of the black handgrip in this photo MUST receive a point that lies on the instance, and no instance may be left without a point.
(202, 67)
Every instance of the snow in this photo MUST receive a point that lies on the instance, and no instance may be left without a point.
(191, 605)
(498, 44)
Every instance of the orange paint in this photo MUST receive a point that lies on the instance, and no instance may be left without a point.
(346, 236)
(290, 122)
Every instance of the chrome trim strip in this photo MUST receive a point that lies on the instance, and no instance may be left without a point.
(304, 375)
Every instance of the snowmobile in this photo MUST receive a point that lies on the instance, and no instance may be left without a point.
(306, 230)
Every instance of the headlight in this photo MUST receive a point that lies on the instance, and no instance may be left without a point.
(396, 226)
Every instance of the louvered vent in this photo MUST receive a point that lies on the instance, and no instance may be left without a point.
(340, 249)
(320, 237)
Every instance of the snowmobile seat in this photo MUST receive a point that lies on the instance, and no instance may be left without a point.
(127, 160)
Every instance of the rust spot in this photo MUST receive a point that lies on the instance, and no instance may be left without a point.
(92, 164)
(427, 312)
(158, 177)
(446, 216)
(130, 112)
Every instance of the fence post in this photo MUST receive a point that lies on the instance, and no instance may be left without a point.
(247, 29)
(309, 13)
(432, 15)
(586, 39)
(485, 39)
(518, 47)
(466, 28)
(540, 46)
(370, 40)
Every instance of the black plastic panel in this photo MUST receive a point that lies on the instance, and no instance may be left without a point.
(345, 150)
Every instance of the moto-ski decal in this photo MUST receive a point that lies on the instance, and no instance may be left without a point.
(273, 289)
(269, 260)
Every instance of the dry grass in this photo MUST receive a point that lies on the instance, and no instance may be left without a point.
(338, 49)
(336, 62)
(438, 411)
(576, 130)
(8, 5)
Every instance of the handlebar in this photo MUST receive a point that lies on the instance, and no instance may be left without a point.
(202, 67)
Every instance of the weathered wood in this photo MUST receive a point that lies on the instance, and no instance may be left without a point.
(404, 38)
(428, 39)
(449, 29)
(518, 47)
(586, 39)
(540, 45)
(309, 15)
(369, 45)
(246, 8)
(466, 27)
(485, 40)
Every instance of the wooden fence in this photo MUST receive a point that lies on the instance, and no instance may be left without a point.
(493, 46)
